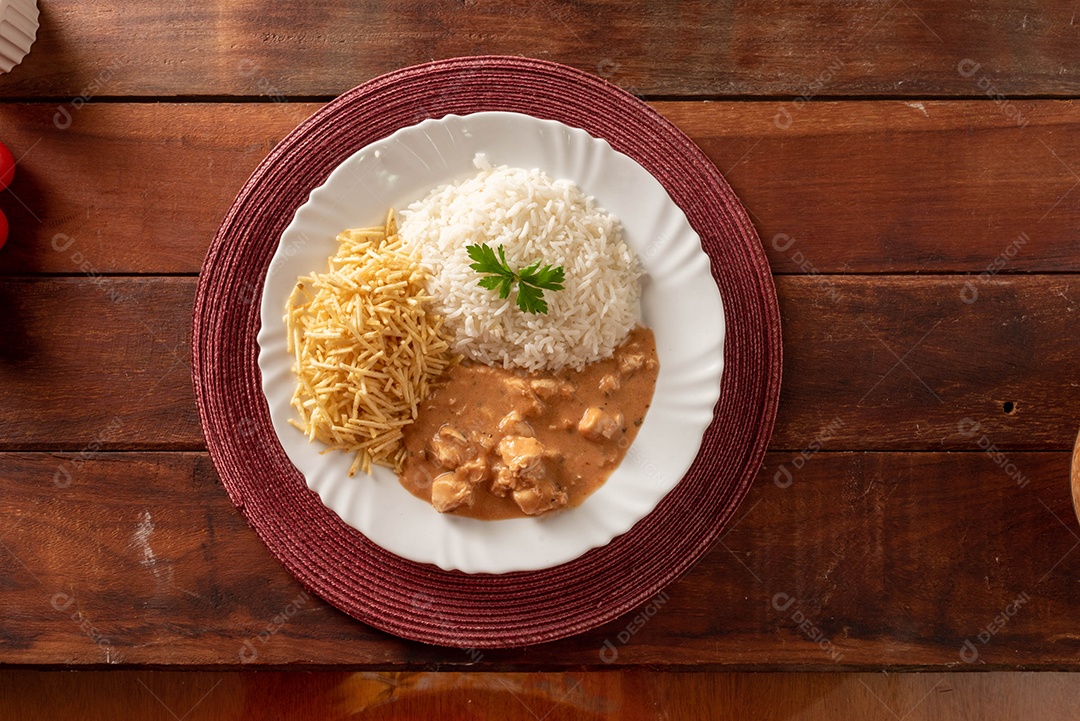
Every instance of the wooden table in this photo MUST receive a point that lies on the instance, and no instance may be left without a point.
(912, 169)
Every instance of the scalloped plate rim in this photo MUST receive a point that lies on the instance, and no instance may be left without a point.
(532, 543)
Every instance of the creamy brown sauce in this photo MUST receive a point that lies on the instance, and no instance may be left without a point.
(492, 443)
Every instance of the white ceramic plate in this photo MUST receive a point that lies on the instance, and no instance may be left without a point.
(680, 302)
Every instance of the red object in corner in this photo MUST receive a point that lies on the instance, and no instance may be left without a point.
(7, 168)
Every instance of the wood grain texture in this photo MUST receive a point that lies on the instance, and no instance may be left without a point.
(129, 188)
(846, 187)
(900, 187)
(97, 363)
(886, 560)
(454, 696)
(915, 512)
(693, 47)
(871, 363)
(929, 363)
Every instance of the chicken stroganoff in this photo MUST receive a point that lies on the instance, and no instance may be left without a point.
(488, 347)
(493, 443)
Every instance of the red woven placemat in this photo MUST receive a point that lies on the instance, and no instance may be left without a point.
(420, 601)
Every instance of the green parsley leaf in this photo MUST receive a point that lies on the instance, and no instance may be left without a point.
(546, 277)
(531, 299)
(491, 282)
(531, 282)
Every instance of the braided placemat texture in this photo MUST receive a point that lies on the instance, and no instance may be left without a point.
(420, 601)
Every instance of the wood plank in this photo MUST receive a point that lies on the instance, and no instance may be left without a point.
(929, 363)
(861, 561)
(129, 188)
(96, 363)
(901, 187)
(633, 695)
(764, 47)
(103, 363)
(847, 187)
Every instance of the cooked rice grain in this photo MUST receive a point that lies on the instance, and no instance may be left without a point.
(533, 218)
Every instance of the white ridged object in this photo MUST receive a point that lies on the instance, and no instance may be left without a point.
(18, 30)
(679, 301)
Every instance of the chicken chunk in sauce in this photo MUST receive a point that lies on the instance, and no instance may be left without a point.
(597, 424)
(492, 443)
(449, 492)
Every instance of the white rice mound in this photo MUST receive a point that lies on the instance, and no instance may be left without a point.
(533, 218)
